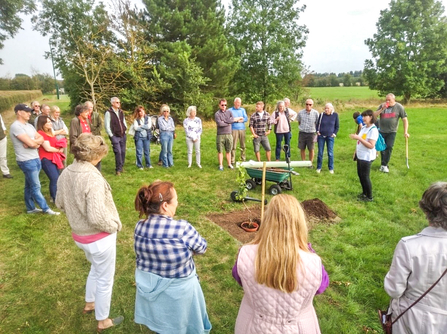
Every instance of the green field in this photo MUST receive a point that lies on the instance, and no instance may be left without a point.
(42, 272)
(343, 93)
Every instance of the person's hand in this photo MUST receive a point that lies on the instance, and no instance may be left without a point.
(267, 132)
(61, 150)
(406, 135)
(354, 136)
(255, 135)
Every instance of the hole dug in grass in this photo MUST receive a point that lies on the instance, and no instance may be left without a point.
(316, 210)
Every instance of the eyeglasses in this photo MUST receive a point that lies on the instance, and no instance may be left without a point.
(308, 104)
(117, 102)
(223, 105)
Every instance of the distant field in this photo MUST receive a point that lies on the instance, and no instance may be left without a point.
(343, 93)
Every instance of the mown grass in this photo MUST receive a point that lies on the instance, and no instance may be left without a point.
(42, 272)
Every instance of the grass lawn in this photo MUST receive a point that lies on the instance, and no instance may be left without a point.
(42, 272)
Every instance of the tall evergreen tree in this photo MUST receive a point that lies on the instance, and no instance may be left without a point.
(409, 49)
(192, 33)
(269, 41)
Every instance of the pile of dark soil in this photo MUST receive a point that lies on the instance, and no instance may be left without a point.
(316, 210)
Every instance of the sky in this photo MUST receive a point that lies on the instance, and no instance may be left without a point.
(335, 43)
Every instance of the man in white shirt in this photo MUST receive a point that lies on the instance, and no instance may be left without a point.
(3, 144)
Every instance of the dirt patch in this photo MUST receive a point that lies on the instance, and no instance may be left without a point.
(316, 210)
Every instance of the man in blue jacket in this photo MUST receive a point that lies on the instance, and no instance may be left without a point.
(238, 129)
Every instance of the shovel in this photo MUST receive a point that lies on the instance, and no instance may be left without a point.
(406, 152)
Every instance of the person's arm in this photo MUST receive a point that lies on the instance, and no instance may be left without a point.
(244, 115)
(194, 240)
(396, 279)
(324, 275)
(30, 142)
(74, 130)
(47, 147)
(136, 126)
(379, 110)
(253, 131)
(199, 133)
(292, 115)
(107, 124)
(368, 142)
(218, 118)
(337, 126)
(405, 121)
(234, 271)
(101, 216)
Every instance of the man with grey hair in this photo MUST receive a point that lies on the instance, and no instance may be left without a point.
(390, 112)
(238, 129)
(115, 125)
(45, 111)
(307, 120)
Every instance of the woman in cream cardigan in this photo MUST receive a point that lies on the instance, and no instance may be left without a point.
(86, 198)
(280, 274)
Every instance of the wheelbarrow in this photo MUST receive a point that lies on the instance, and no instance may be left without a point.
(278, 175)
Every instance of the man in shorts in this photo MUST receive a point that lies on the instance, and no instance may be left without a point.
(224, 140)
(260, 128)
(307, 120)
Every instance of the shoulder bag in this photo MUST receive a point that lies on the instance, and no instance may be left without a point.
(385, 316)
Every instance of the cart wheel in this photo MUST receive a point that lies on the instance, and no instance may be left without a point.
(233, 196)
(275, 190)
(250, 184)
(258, 181)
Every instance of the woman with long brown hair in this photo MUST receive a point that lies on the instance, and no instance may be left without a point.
(169, 297)
(142, 125)
(280, 274)
(50, 153)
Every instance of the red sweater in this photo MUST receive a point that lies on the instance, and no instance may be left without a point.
(42, 152)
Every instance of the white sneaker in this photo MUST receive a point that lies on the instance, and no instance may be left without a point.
(331, 171)
(36, 210)
(51, 212)
(385, 169)
(141, 168)
(318, 171)
(189, 166)
(198, 165)
(381, 168)
(230, 166)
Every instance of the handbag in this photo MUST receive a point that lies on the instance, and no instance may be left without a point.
(385, 316)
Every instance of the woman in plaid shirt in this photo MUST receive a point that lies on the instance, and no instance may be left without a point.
(169, 297)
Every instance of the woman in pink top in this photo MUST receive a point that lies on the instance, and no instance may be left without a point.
(280, 274)
(281, 119)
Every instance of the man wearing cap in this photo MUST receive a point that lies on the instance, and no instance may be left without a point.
(3, 162)
(116, 127)
(26, 141)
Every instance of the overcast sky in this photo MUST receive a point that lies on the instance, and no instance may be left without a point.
(337, 31)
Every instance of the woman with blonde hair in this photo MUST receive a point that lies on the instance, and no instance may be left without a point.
(87, 200)
(167, 135)
(280, 267)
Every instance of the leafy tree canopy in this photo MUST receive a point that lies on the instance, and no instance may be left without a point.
(409, 49)
(268, 39)
(10, 22)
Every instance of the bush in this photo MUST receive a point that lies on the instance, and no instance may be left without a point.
(10, 98)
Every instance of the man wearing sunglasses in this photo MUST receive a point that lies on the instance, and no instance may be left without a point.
(307, 120)
(116, 127)
(224, 140)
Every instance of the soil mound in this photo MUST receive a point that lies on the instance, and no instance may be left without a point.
(316, 210)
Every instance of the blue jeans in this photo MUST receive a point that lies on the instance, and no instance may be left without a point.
(53, 174)
(279, 138)
(31, 169)
(330, 151)
(143, 146)
(166, 141)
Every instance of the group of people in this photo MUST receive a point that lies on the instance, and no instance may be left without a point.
(169, 297)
